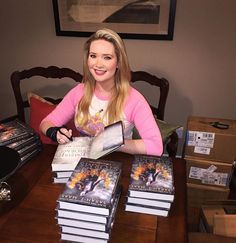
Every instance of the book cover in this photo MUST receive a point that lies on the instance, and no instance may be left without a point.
(14, 131)
(92, 186)
(67, 155)
(152, 178)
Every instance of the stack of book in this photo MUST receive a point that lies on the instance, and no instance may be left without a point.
(21, 137)
(67, 155)
(87, 206)
(66, 158)
(151, 188)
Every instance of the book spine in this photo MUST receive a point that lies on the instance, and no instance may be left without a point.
(111, 219)
(29, 156)
(29, 148)
(24, 142)
(15, 139)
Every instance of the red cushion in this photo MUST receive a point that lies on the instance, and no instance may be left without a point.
(38, 111)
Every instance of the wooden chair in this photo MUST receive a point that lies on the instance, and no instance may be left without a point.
(158, 109)
(57, 73)
(49, 72)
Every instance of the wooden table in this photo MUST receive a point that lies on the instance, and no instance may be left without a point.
(30, 215)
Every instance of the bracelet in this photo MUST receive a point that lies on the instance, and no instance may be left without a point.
(52, 132)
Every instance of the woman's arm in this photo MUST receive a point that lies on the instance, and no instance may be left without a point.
(133, 146)
(63, 113)
(138, 111)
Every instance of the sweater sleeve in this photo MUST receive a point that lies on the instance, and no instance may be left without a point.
(65, 110)
(140, 114)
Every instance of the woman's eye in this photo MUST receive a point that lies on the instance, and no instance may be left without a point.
(92, 56)
(107, 58)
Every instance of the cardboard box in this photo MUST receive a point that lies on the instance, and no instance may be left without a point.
(208, 142)
(206, 217)
(224, 225)
(214, 220)
(205, 172)
(198, 195)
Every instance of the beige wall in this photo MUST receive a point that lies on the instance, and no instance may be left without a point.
(200, 62)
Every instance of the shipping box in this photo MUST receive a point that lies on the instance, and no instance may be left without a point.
(205, 172)
(215, 219)
(198, 195)
(205, 141)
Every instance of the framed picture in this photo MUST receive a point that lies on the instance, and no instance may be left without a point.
(150, 19)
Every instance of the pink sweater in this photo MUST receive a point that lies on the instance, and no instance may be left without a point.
(137, 112)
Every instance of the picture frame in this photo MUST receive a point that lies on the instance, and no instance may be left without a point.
(153, 20)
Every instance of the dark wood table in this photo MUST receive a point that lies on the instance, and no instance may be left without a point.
(30, 215)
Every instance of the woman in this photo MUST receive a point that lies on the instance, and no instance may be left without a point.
(105, 96)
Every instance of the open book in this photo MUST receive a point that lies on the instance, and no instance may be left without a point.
(68, 155)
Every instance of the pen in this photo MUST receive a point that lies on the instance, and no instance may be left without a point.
(70, 138)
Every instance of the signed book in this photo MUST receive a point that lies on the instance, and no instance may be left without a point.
(91, 187)
(67, 155)
(152, 178)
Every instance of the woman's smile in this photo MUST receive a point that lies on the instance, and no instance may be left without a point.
(102, 61)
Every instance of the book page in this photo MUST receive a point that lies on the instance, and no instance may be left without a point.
(72, 151)
(110, 139)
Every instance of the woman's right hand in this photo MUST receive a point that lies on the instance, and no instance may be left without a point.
(64, 135)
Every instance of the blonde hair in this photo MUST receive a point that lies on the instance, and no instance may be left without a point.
(122, 78)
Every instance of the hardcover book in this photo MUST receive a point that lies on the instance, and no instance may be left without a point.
(80, 238)
(67, 155)
(21, 144)
(148, 202)
(146, 210)
(96, 218)
(62, 174)
(62, 180)
(81, 224)
(91, 187)
(84, 232)
(29, 148)
(14, 130)
(152, 178)
(29, 155)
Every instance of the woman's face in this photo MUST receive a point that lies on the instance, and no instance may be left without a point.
(102, 61)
